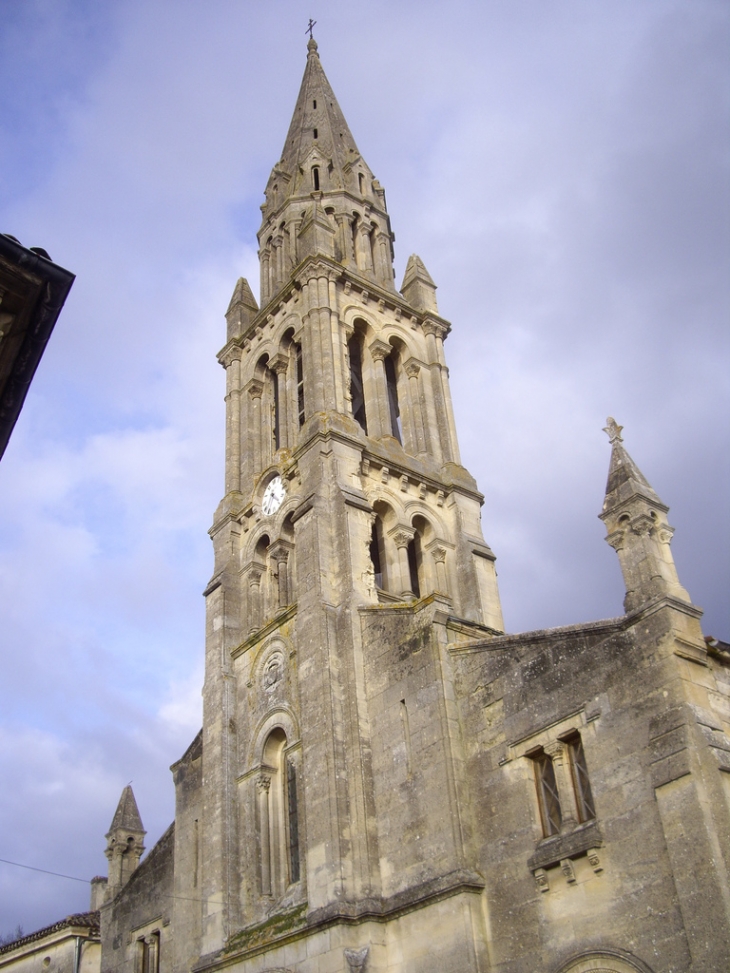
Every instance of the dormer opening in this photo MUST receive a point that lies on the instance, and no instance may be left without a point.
(314, 103)
(314, 132)
(361, 181)
(315, 178)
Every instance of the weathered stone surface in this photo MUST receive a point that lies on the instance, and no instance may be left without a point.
(385, 781)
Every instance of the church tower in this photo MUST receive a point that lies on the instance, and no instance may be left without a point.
(347, 543)
(385, 781)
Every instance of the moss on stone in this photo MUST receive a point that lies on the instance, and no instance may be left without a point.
(264, 932)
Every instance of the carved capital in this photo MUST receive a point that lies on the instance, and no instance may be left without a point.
(279, 363)
(642, 525)
(435, 328)
(255, 388)
(664, 534)
(279, 550)
(438, 554)
(412, 368)
(379, 350)
(263, 783)
(402, 536)
(555, 750)
(616, 539)
(254, 576)
(226, 358)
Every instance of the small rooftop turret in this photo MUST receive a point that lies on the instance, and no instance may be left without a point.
(125, 842)
(636, 520)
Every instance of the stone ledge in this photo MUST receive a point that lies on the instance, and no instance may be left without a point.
(553, 850)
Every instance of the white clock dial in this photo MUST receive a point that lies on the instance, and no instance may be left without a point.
(273, 496)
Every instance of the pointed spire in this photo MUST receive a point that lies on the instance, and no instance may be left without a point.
(636, 520)
(625, 479)
(322, 198)
(124, 842)
(242, 309)
(418, 287)
(318, 123)
(126, 816)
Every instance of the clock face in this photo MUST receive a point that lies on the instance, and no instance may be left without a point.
(273, 496)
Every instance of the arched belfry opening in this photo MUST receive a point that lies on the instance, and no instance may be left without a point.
(355, 347)
(278, 819)
(392, 372)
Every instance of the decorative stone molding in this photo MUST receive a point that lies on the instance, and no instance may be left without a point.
(402, 536)
(541, 880)
(379, 350)
(431, 327)
(594, 860)
(356, 959)
(566, 867)
(279, 363)
(255, 388)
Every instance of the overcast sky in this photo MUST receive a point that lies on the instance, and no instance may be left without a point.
(562, 170)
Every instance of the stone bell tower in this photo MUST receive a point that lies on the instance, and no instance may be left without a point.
(348, 527)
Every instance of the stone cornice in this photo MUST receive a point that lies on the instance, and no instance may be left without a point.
(374, 909)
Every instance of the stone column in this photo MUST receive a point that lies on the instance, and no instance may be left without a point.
(255, 390)
(385, 264)
(558, 753)
(265, 259)
(402, 536)
(233, 422)
(363, 253)
(344, 234)
(433, 331)
(379, 351)
(279, 365)
(415, 410)
(279, 553)
(278, 248)
(438, 554)
(263, 787)
(254, 598)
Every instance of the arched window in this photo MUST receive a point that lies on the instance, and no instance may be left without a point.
(391, 381)
(315, 178)
(278, 817)
(361, 182)
(357, 390)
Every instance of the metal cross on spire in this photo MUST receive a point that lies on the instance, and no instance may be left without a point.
(310, 27)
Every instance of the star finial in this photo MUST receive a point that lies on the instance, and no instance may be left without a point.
(613, 431)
